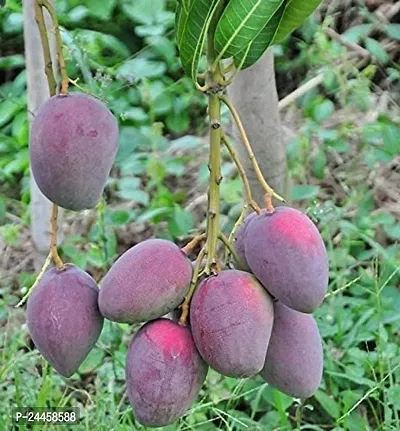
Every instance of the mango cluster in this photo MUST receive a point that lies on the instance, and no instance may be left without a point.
(242, 323)
(286, 253)
(164, 370)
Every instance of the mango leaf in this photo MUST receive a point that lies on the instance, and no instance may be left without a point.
(296, 11)
(261, 43)
(192, 31)
(180, 18)
(241, 22)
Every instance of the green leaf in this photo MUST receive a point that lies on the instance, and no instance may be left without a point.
(319, 164)
(303, 192)
(323, 110)
(192, 32)
(12, 61)
(142, 13)
(296, 11)
(393, 231)
(120, 217)
(328, 404)
(241, 22)
(139, 68)
(8, 109)
(393, 30)
(356, 33)
(376, 49)
(138, 196)
(181, 222)
(102, 9)
(231, 191)
(261, 43)
(94, 359)
(180, 19)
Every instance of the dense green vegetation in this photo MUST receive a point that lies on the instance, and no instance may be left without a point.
(344, 165)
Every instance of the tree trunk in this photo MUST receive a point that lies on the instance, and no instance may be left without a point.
(38, 93)
(254, 95)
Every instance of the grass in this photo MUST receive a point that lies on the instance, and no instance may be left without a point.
(359, 323)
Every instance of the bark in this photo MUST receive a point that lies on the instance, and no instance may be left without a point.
(38, 93)
(254, 95)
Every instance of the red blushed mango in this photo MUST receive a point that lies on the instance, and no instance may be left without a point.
(63, 317)
(286, 253)
(73, 144)
(148, 281)
(164, 372)
(231, 317)
(240, 238)
(294, 360)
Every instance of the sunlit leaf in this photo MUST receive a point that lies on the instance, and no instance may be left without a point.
(261, 43)
(241, 22)
(296, 11)
(192, 31)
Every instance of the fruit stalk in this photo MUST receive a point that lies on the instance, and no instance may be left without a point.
(190, 246)
(246, 142)
(239, 262)
(249, 198)
(61, 60)
(193, 284)
(39, 17)
(53, 238)
(53, 255)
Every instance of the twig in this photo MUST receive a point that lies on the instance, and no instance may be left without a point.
(61, 60)
(48, 68)
(300, 91)
(249, 199)
(53, 238)
(350, 45)
(233, 252)
(190, 246)
(249, 150)
(239, 221)
(193, 285)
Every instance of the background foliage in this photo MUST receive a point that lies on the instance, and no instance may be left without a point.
(343, 154)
